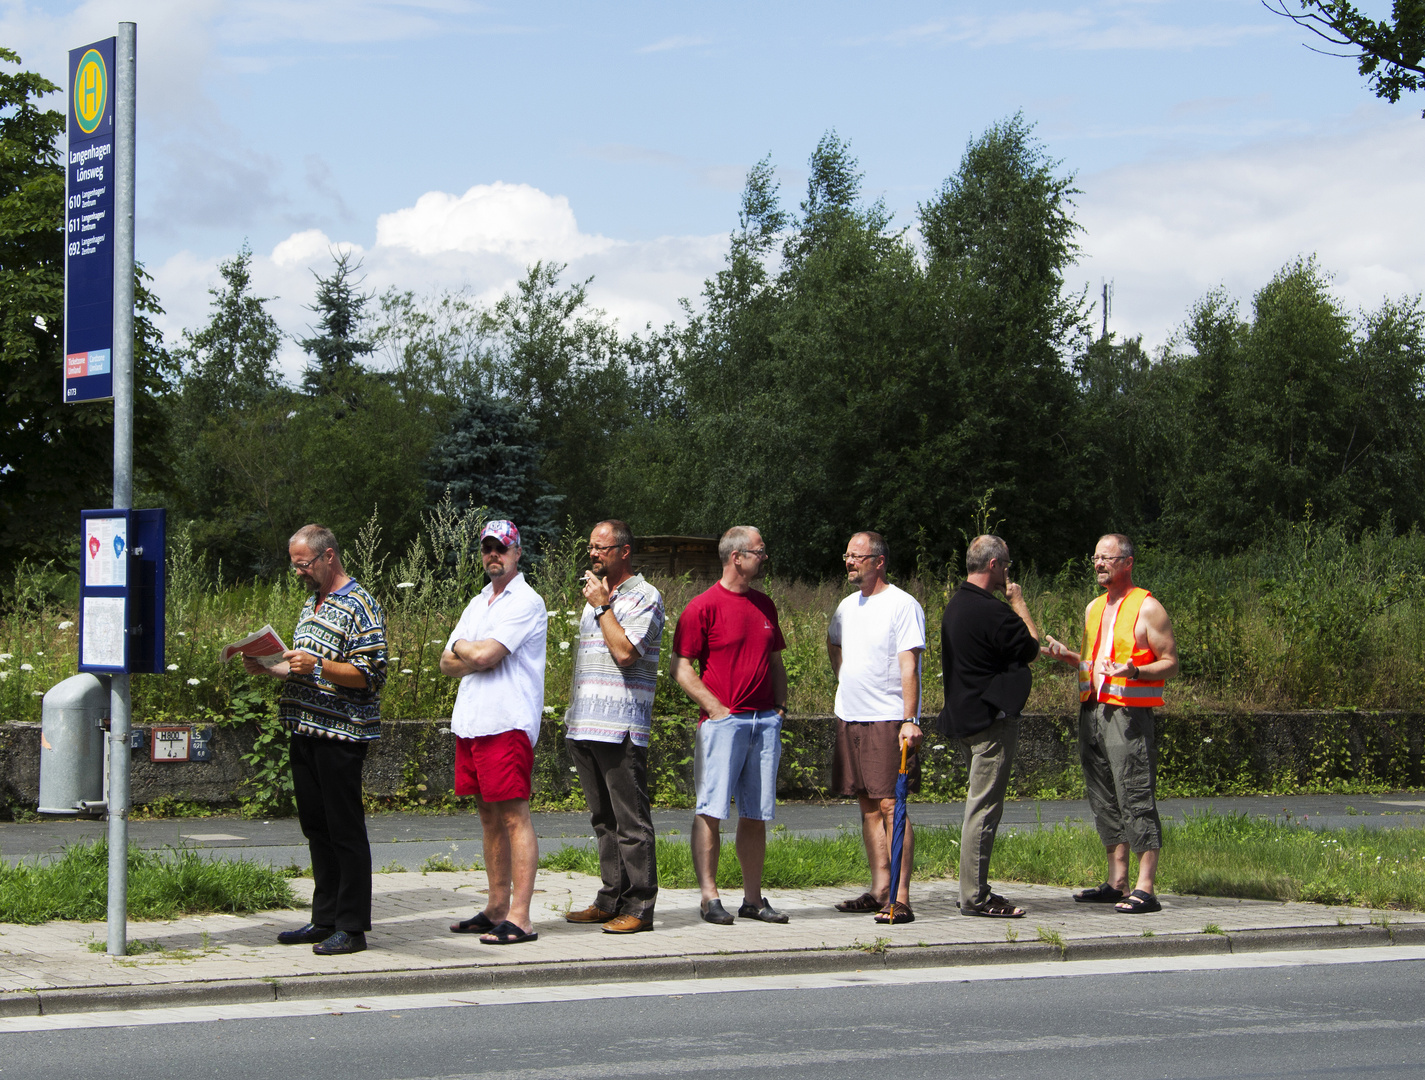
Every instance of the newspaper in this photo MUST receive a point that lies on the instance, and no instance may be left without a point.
(264, 646)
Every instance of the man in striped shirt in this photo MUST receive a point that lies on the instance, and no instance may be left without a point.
(607, 727)
(331, 703)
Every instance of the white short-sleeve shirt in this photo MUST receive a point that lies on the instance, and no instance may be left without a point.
(510, 696)
(872, 632)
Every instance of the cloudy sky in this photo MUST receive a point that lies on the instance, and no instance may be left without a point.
(451, 143)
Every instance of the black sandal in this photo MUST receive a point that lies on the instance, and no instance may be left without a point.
(1099, 894)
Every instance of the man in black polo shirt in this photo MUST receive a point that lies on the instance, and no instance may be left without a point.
(985, 646)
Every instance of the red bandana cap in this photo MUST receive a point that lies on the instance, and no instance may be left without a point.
(503, 531)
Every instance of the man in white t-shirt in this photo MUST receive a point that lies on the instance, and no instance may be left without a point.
(497, 652)
(875, 640)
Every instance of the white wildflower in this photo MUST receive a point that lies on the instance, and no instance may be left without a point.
(183, 633)
(938, 746)
(573, 622)
(172, 667)
(38, 653)
(65, 625)
(5, 656)
(27, 667)
(407, 671)
(405, 584)
(4, 675)
(437, 641)
(564, 646)
(1208, 739)
(37, 693)
(571, 611)
(194, 682)
(549, 710)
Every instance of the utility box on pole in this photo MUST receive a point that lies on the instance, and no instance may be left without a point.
(72, 745)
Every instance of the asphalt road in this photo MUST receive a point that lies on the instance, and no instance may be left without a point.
(1234, 1019)
(407, 840)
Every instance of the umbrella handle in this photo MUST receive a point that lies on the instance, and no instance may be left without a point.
(904, 747)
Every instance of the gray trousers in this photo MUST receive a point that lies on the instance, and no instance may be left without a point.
(1119, 753)
(991, 754)
(614, 777)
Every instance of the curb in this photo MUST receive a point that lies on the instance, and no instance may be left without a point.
(710, 966)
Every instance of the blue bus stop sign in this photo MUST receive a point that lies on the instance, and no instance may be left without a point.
(89, 226)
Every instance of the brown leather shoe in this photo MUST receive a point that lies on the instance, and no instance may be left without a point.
(591, 914)
(628, 924)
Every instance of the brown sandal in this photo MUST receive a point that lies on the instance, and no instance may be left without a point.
(895, 913)
(862, 905)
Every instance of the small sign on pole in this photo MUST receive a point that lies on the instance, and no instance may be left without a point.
(122, 591)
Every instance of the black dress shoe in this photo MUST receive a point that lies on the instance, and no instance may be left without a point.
(308, 935)
(340, 943)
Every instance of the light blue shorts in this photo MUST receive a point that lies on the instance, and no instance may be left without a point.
(738, 756)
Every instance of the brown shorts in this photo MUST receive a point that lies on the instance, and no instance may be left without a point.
(867, 760)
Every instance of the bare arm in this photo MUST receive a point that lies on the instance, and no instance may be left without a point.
(778, 671)
(620, 648)
(1015, 595)
(834, 651)
(1158, 632)
(466, 657)
(687, 677)
(909, 660)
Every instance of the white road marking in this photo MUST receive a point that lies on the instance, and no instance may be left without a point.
(681, 987)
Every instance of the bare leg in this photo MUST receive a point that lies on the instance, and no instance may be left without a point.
(875, 828)
(523, 858)
(751, 854)
(497, 861)
(706, 844)
(1147, 871)
(1118, 867)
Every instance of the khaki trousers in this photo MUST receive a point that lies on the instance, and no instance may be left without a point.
(991, 753)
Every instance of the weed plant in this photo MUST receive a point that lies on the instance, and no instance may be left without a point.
(162, 885)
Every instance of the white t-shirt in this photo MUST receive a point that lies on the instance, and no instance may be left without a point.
(510, 696)
(872, 631)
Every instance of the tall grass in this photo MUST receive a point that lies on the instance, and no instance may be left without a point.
(1311, 619)
(162, 884)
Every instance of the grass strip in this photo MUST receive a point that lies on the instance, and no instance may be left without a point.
(1209, 854)
(162, 884)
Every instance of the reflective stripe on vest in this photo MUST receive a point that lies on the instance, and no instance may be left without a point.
(1118, 690)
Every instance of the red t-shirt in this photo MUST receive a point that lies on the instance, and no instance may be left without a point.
(732, 636)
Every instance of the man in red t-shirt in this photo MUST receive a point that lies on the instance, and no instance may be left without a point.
(740, 687)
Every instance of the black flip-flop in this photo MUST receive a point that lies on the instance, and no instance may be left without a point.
(1099, 894)
(479, 923)
(507, 933)
(1138, 902)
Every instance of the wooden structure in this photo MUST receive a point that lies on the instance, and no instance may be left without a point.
(674, 556)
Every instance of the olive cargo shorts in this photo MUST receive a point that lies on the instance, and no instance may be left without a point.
(1120, 758)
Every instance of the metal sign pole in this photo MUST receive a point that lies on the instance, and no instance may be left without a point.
(125, 65)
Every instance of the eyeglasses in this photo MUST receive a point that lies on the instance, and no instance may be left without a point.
(594, 549)
(756, 553)
(305, 565)
(1108, 558)
(492, 545)
(848, 557)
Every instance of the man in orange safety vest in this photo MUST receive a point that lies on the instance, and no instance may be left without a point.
(1128, 653)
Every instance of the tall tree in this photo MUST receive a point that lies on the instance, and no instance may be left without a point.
(1389, 53)
(337, 345)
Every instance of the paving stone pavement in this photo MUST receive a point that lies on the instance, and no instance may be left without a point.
(52, 968)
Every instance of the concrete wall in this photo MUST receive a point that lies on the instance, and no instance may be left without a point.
(1212, 751)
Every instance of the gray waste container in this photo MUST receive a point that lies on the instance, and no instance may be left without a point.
(72, 744)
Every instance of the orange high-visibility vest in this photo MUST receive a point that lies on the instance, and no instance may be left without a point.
(1118, 690)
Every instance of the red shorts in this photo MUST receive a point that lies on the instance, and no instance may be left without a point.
(494, 767)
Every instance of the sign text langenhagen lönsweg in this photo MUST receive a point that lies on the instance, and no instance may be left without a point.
(89, 226)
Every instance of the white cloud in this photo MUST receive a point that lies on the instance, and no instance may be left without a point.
(480, 242)
(1085, 27)
(1166, 232)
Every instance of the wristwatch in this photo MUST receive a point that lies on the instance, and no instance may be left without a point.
(599, 611)
(317, 669)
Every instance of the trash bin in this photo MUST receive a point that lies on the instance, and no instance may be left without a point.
(72, 745)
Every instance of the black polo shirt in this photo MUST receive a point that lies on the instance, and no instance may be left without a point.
(980, 637)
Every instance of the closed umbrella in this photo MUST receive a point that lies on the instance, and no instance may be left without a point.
(898, 826)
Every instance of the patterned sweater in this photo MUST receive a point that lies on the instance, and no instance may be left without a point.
(350, 628)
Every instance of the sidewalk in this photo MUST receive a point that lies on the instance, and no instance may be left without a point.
(218, 959)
